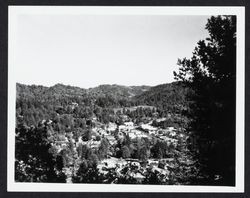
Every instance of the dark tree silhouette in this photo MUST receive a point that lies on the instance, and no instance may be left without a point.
(34, 162)
(211, 73)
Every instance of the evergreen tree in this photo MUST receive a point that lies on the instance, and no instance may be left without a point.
(34, 162)
(211, 73)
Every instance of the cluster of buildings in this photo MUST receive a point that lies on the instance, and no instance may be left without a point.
(170, 134)
(134, 168)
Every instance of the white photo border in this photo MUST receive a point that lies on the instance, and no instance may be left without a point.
(15, 11)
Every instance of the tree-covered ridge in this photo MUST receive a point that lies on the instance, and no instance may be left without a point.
(172, 96)
(35, 103)
(117, 91)
(58, 90)
(172, 92)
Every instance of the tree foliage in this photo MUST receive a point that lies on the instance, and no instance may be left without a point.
(35, 161)
(211, 74)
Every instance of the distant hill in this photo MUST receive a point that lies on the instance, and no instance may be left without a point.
(57, 91)
(117, 91)
(165, 96)
(35, 102)
(29, 91)
(162, 96)
(68, 90)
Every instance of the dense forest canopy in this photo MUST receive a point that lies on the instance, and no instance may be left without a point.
(35, 103)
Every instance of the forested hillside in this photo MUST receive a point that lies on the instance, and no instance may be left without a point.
(35, 103)
(171, 96)
(117, 91)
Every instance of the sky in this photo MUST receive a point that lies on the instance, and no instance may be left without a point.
(89, 50)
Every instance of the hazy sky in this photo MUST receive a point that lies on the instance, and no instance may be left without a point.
(90, 50)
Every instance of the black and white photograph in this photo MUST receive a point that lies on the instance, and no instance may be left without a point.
(126, 99)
